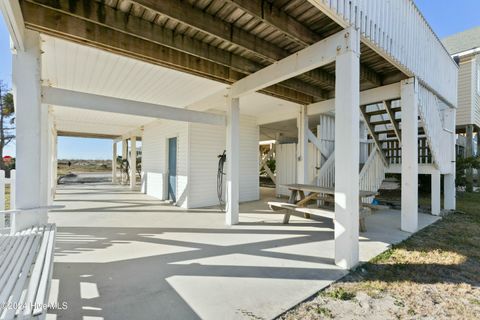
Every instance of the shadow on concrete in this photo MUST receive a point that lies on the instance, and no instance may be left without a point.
(139, 287)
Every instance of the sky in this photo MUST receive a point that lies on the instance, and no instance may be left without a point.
(446, 17)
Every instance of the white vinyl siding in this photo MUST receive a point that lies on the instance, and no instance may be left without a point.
(249, 159)
(198, 146)
(155, 159)
(206, 143)
(465, 93)
(476, 96)
(286, 167)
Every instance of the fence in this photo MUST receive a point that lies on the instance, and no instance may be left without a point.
(7, 192)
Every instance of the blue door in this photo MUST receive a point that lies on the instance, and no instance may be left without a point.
(172, 169)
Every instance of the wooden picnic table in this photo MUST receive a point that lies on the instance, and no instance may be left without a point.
(301, 189)
(315, 193)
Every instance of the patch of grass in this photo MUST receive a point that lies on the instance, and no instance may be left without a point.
(475, 301)
(435, 273)
(324, 312)
(339, 294)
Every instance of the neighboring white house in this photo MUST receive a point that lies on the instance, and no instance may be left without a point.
(195, 78)
(465, 48)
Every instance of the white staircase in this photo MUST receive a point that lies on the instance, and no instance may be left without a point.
(383, 122)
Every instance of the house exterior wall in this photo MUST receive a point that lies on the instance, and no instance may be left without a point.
(206, 143)
(286, 167)
(476, 91)
(468, 111)
(249, 159)
(154, 159)
(198, 148)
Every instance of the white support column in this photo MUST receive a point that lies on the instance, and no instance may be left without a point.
(435, 193)
(51, 137)
(347, 153)
(55, 161)
(114, 162)
(32, 130)
(409, 101)
(233, 161)
(124, 157)
(449, 192)
(133, 162)
(302, 146)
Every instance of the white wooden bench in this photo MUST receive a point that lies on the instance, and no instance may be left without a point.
(311, 213)
(26, 264)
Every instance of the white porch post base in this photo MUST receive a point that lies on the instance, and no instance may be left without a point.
(450, 192)
(32, 151)
(233, 162)
(302, 146)
(409, 101)
(133, 162)
(435, 193)
(347, 153)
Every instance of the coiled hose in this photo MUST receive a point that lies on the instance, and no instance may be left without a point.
(221, 161)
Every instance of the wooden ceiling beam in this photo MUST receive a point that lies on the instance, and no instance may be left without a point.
(59, 24)
(268, 13)
(199, 20)
(141, 28)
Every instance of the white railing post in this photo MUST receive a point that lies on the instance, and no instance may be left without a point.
(2, 198)
(2, 190)
(13, 189)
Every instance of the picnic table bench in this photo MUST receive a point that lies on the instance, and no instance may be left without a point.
(298, 207)
(26, 263)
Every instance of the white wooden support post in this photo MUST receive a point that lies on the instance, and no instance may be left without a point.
(449, 192)
(55, 163)
(133, 162)
(124, 157)
(50, 154)
(302, 148)
(32, 130)
(435, 193)
(13, 190)
(233, 161)
(409, 101)
(347, 153)
(114, 162)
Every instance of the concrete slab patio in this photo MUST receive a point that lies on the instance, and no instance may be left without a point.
(124, 255)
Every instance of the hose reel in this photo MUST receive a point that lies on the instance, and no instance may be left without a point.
(220, 173)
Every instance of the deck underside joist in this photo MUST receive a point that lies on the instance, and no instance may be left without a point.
(220, 40)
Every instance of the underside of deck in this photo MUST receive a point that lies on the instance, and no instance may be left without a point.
(122, 254)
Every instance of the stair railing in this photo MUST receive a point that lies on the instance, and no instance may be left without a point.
(438, 138)
(372, 174)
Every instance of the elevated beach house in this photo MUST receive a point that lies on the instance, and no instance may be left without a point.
(363, 86)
